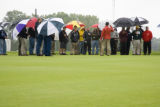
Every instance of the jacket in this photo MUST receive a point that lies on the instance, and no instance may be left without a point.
(63, 36)
(96, 34)
(123, 36)
(147, 36)
(87, 36)
(74, 36)
(137, 35)
(106, 33)
(81, 32)
(31, 32)
(23, 33)
(3, 34)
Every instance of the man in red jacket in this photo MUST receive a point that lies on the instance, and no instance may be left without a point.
(147, 37)
(105, 39)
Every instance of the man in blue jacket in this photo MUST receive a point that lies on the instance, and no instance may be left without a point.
(3, 36)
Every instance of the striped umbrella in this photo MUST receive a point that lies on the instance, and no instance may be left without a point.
(71, 24)
(139, 21)
(19, 28)
(51, 26)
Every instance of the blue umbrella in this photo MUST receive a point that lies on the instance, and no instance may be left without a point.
(50, 26)
(19, 28)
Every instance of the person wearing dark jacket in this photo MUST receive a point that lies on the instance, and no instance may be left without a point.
(129, 39)
(22, 37)
(32, 37)
(3, 36)
(63, 38)
(123, 36)
(137, 35)
(87, 41)
(96, 34)
(74, 41)
(147, 37)
(47, 45)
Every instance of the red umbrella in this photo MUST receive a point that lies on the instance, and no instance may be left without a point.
(31, 23)
(94, 26)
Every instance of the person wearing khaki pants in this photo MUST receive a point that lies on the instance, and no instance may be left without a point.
(105, 44)
(105, 39)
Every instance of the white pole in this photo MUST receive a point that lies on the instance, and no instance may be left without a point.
(114, 6)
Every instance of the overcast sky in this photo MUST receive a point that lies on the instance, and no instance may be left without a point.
(148, 9)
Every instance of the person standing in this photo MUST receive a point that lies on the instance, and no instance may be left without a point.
(105, 38)
(3, 36)
(47, 45)
(40, 39)
(32, 39)
(22, 37)
(123, 36)
(74, 41)
(96, 34)
(87, 41)
(137, 35)
(147, 37)
(81, 40)
(129, 39)
(53, 44)
(63, 38)
(114, 41)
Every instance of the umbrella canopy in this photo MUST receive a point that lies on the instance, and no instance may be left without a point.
(94, 26)
(124, 22)
(32, 23)
(51, 26)
(71, 24)
(158, 25)
(102, 24)
(19, 28)
(4, 24)
(139, 21)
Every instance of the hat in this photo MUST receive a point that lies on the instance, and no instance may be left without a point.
(137, 27)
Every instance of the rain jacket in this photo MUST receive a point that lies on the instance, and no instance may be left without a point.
(3, 34)
(81, 32)
(147, 36)
(123, 36)
(74, 36)
(137, 35)
(106, 33)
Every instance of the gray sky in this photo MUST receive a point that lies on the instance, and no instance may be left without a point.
(148, 9)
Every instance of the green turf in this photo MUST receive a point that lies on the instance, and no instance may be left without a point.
(80, 81)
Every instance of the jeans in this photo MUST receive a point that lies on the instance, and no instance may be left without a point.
(31, 45)
(40, 39)
(81, 47)
(47, 45)
(95, 44)
(87, 46)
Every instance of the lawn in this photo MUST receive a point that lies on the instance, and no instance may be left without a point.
(80, 81)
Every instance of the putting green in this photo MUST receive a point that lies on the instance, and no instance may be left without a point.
(80, 81)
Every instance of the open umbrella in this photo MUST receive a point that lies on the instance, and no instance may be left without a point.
(139, 21)
(71, 24)
(94, 26)
(19, 28)
(51, 26)
(158, 25)
(31, 23)
(4, 24)
(124, 22)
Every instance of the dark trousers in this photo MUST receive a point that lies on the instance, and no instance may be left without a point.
(47, 45)
(114, 43)
(123, 48)
(128, 47)
(147, 47)
(40, 38)
(31, 45)
(87, 45)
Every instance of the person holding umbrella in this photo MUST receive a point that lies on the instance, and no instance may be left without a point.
(123, 36)
(22, 37)
(129, 39)
(81, 40)
(87, 41)
(74, 41)
(63, 38)
(32, 37)
(3, 36)
(137, 35)
(105, 38)
(147, 37)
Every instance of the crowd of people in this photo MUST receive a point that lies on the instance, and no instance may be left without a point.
(83, 41)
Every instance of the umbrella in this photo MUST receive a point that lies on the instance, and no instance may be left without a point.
(139, 21)
(158, 25)
(51, 26)
(124, 22)
(71, 24)
(19, 28)
(102, 24)
(4, 24)
(32, 23)
(94, 26)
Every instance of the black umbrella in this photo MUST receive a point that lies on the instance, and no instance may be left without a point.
(123, 22)
(139, 21)
(4, 24)
(13, 25)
